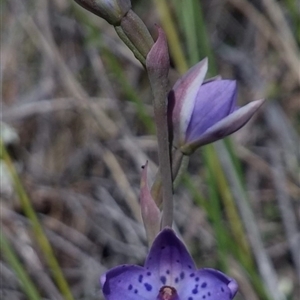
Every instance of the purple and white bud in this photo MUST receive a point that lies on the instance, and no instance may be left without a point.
(203, 113)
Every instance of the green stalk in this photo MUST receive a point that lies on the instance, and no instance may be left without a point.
(37, 227)
(173, 39)
(293, 8)
(163, 155)
(26, 284)
(190, 30)
(215, 208)
(230, 208)
(179, 165)
(130, 45)
(157, 65)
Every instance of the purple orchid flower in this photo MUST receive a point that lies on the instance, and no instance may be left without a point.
(202, 113)
(169, 274)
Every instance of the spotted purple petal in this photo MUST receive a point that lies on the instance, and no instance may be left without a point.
(169, 273)
(169, 259)
(207, 284)
(129, 282)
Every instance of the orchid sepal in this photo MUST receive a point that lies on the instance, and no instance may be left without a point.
(225, 127)
(181, 100)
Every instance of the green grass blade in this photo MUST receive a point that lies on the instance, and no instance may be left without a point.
(37, 227)
(26, 284)
(173, 38)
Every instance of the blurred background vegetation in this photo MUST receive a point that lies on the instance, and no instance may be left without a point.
(77, 125)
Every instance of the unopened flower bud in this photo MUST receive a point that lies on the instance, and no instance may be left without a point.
(110, 10)
(204, 112)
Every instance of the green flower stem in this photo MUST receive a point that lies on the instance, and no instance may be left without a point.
(179, 163)
(164, 161)
(159, 83)
(137, 33)
(36, 227)
(136, 36)
(130, 45)
(27, 285)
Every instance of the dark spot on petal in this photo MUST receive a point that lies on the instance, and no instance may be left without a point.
(181, 275)
(163, 279)
(148, 286)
